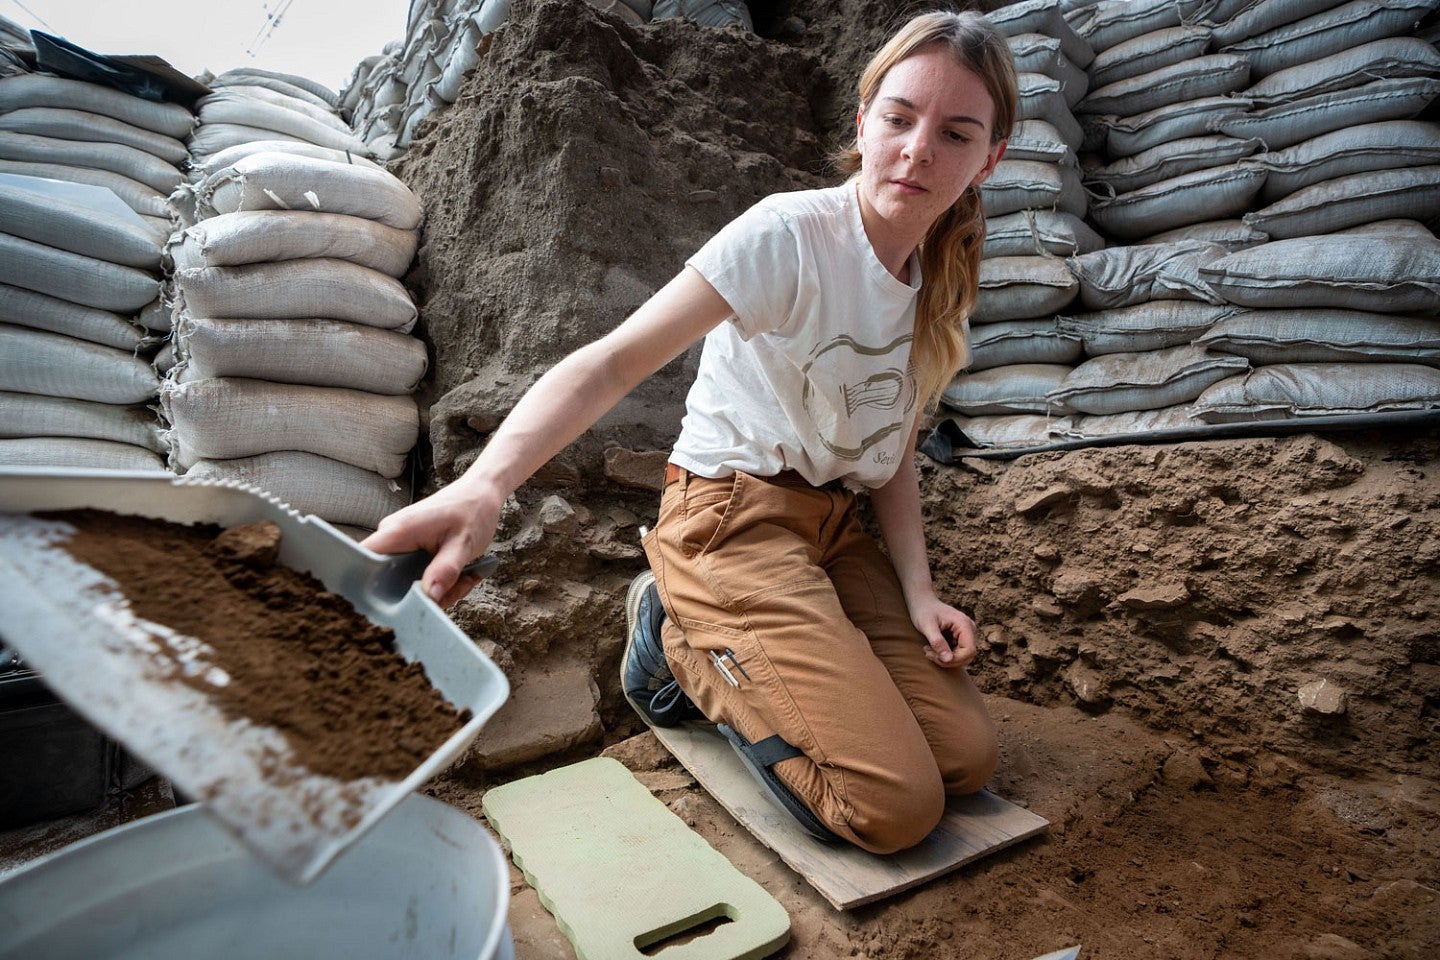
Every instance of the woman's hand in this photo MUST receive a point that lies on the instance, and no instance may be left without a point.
(949, 633)
(455, 525)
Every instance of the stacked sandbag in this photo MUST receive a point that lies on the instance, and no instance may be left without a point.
(1340, 324)
(1034, 209)
(1158, 86)
(249, 105)
(293, 365)
(75, 387)
(64, 129)
(17, 52)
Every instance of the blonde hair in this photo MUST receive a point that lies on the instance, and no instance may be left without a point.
(950, 251)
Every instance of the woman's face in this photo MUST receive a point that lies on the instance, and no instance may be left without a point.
(924, 139)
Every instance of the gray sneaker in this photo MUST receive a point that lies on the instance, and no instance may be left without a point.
(644, 673)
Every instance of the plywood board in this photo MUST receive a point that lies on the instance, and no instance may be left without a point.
(973, 827)
(625, 878)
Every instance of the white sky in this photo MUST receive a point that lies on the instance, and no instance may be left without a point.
(319, 39)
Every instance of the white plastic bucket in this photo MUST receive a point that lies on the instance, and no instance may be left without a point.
(427, 883)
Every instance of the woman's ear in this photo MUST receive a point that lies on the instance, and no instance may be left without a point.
(996, 152)
(860, 124)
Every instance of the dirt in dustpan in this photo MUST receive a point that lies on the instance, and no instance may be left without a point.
(298, 658)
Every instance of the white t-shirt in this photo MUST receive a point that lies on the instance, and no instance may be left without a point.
(812, 371)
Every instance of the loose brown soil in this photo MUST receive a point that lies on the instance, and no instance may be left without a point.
(299, 658)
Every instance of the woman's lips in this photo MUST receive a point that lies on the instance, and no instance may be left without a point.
(908, 187)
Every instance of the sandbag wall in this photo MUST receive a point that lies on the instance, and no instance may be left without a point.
(293, 364)
(389, 94)
(80, 270)
(1258, 171)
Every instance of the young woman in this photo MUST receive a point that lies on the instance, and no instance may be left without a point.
(831, 318)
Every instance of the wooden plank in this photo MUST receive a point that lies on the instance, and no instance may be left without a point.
(625, 878)
(846, 876)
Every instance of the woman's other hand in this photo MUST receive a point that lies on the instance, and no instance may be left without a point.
(949, 633)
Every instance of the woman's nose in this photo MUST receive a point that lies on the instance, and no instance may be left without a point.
(918, 149)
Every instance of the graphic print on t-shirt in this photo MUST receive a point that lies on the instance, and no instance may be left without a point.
(868, 401)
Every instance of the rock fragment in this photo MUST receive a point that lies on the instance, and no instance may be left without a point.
(641, 470)
(1323, 698)
(1160, 597)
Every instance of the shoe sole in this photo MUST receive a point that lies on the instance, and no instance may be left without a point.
(633, 595)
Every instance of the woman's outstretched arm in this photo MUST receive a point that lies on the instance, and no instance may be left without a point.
(457, 523)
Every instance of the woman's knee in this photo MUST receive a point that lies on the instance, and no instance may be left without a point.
(891, 817)
(968, 766)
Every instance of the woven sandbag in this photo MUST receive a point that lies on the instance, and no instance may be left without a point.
(1362, 149)
(78, 228)
(156, 315)
(1285, 390)
(266, 83)
(258, 236)
(1122, 382)
(1155, 325)
(33, 361)
(1038, 140)
(242, 111)
(324, 116)
(257, 77)
(1035, 53)
(1139, 423)
(1231, 234)
(321, 353)
(1331, 31)
(1121, 276)
(117, 158)
(72, 276)
(1314, 336)
(1378, 60)
(1021, 341)
(1113, 22)
(1127, 136)
(1015, 431)
(227, 418)
(214, 138)
(1287, 124)
(1382, 274)
(1212, 75)
(1237, 20)
(333, 491)
(1147, 52)
(1042, 16)
(26, 308)
(1020, 288)
(80, 453)
(38, 90)
(33, 415)
(1173, 159)
(1398, 227)
(277, 181)
(1018, 388)
(1042, 98)
(1180, 201)
(462, 57)
(143, 199)
(1033, 233)
(315, 288)
(1017, 185)
(1351, 200)
(230, 155)
(79, 125)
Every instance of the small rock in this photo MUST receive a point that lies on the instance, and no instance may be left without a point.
(1031, 502)
(1185, 770)
(1161, 597)
(1324, 698)
(1077, 588)
(1047, 553)
(1332, 946)
(253, 544)
(1088, 684)
(555, 473)
(1046, 608)
(644, 471)
(557, 516)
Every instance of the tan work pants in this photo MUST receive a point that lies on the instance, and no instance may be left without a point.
(781, 575)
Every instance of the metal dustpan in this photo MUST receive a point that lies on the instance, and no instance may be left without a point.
(96, 655)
